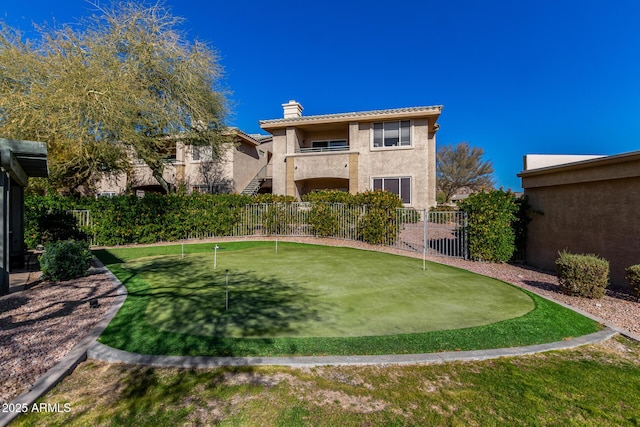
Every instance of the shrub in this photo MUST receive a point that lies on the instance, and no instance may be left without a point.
(582, 275)
(379, 224)
(324, 219)
(521, 224)
(65, 260)
(329, 196)
(491, 216)
(633, 277)
(59, 225)
(129, 219)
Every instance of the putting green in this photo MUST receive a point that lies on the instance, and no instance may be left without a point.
(318, 291)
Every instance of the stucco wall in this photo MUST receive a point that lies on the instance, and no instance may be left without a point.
(588, 209)
(247, 162)
(321, 165)
(411, 161)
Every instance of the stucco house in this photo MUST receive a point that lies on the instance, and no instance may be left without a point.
(392, 150)
(241, 168)
(585, 204)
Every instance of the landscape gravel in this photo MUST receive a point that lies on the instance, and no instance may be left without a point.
(40, 325)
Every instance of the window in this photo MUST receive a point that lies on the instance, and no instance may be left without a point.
(400, 186)
(392, 134)
(201, 153)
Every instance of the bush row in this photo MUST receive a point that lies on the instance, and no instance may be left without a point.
(129, 219)
(587, 275)
(376, 224)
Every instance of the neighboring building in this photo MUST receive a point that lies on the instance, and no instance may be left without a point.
(393, 150)
(241, 168)
(589, 205)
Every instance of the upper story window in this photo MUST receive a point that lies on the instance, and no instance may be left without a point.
(392, 134)
(201, 153)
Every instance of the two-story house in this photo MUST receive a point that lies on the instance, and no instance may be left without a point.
(392, 150)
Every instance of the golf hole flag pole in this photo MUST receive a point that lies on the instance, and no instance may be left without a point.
(226, 305)
(215, 257)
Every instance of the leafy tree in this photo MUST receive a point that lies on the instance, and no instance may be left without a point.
(462, 166)
(122, 84)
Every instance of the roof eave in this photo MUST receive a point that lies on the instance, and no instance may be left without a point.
(600, 161)
(368, 116)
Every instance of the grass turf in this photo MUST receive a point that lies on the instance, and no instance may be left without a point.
(308, 299)
(587, 386)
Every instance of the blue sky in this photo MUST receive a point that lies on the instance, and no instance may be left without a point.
(514, 77)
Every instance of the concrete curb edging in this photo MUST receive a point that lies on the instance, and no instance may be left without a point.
(107, 354)
(77, 354)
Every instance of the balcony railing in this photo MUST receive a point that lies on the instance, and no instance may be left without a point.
(322, 149)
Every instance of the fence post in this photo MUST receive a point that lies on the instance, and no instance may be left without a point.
(424, 247)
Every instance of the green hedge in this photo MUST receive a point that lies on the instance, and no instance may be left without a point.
(633, 277)
(153, 218)
(582, 275)
(376, 224)
(490, 225)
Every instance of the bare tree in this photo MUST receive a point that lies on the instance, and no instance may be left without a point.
(462, 166)
(212, 171)
(121, 83)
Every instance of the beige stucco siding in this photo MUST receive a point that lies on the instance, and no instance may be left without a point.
(410, 161)
(588, 209)
(321, 165)
(279, 166)
(247, 162)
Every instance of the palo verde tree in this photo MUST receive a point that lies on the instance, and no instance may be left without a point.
(123, 84)
(462, 166)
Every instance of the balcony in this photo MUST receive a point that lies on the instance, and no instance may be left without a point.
(322, 149)
(318, 164)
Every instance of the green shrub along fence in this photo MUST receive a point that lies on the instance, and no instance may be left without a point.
(489, 226)
(497, 226)
(128, 219)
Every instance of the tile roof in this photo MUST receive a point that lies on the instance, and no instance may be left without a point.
(355, 115)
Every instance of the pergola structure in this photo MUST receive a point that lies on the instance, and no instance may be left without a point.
(19, 160)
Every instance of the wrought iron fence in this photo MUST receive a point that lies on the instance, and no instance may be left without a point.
(83, 219)
(430, 233)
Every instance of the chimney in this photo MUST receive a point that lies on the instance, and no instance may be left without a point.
(292, 110)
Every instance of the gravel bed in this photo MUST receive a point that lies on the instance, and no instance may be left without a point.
(40, 325)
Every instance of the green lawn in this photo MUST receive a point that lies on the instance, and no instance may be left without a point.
(308, 299)
(589, 386)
